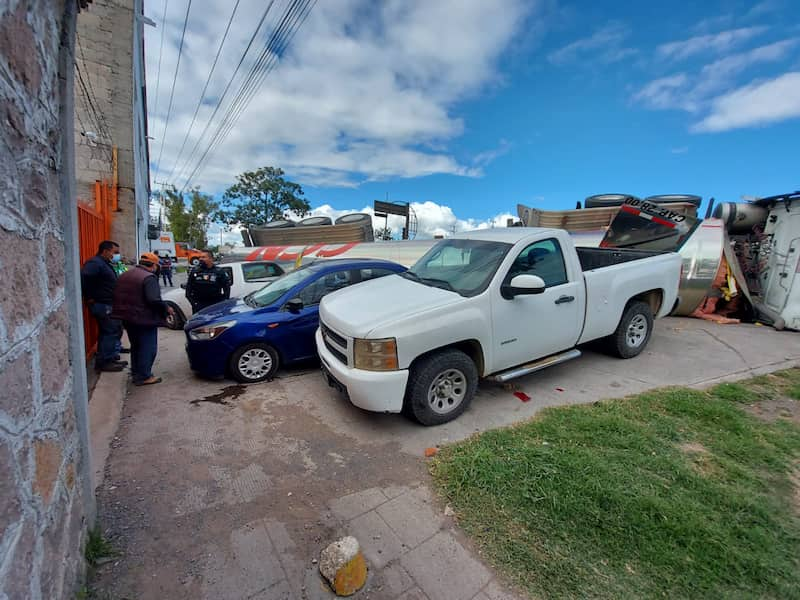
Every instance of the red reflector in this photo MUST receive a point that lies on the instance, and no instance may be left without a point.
(522, 396)
(273, 325)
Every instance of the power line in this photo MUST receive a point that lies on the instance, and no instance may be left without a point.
(102, 125)
(160, 51)
(227, 87)
(205, 88)
(91, 110)
(278, 42)
(174, 79)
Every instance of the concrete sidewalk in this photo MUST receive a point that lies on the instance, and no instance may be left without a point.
(219, 491)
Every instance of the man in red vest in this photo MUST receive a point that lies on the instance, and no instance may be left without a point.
(138, 304)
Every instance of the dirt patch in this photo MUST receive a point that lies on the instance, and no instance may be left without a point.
(775, 409)
(693, 448)
(702, 460)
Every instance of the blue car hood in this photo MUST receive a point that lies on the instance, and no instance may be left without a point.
(221, 311)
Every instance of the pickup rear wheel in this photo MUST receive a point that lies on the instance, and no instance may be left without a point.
(441, 386)
(633, 331)
(253, 363)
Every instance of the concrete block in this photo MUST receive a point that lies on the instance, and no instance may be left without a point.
(494, 591)
(352, 505)
(396, 579)
(444, 568)
(414, 594)
(412, 516)
(379, 543)
(343, 565)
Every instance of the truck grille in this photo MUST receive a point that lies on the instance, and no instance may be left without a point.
(335, 343)
(335, 351)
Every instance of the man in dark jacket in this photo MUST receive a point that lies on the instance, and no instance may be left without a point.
(98, 280)
(207, 284)
(138, 304)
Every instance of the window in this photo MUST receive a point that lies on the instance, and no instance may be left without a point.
(367, 274)
(462, 266)
(314, 292)
(544, 259)
(256, 271)
(229, 272)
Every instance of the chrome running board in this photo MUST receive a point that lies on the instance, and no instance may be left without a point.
(534, 366)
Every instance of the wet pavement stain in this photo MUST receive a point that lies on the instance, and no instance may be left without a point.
(231, 392)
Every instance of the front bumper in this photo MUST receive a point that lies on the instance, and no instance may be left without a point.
(207, 358)
(378, 391)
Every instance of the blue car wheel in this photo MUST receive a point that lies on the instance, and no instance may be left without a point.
(253, 363)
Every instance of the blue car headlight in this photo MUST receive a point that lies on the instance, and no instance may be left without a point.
(210, 332)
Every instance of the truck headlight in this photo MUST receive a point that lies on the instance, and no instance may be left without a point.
(210, 332)
(375, 355)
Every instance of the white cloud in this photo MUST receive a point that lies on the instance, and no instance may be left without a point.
(702, 91)
(680, 150)
(366, 90)
(666, 93)
(604, 45)
(712, 44)
(759, 103)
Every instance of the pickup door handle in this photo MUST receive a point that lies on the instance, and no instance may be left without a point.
(565, 299)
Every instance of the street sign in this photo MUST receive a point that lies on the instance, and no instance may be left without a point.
(391, 208)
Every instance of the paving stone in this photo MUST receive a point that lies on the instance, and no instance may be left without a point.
(378, 542)
(412, 516)
(393, 491)
(349, 507)
(251, 566)
(444, 569)
(396, 579)
(416, 594)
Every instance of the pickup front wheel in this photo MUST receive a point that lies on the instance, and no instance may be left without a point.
(633, 331)
(441, 386)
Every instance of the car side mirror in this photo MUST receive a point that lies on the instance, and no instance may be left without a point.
(183, 286)
(523, 285)
(295, 305)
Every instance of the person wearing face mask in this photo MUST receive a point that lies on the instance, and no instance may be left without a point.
(207, 284)
(98, 280)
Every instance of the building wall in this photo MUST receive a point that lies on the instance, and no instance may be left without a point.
(104, 101)
(46, 502)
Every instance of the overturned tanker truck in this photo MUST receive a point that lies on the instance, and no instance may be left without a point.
(743, 261)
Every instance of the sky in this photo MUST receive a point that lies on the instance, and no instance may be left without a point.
(466, 108)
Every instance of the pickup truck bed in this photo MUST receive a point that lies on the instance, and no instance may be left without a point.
(597, 258)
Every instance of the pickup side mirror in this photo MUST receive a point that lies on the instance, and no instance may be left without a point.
(295, 305)
(523, 285)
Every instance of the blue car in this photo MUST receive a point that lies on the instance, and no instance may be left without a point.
(248, 338)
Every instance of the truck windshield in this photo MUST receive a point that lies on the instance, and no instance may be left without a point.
(272, 291)
(462, 266)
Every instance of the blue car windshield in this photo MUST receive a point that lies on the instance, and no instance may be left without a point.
(272, 291)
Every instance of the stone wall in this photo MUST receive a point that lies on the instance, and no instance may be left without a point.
(46, 502)
(104, 106)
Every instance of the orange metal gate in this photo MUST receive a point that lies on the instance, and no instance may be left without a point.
(94, 226)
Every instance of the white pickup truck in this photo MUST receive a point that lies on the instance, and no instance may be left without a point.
(494, 303)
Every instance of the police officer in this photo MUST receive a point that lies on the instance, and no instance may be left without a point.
(207, 284)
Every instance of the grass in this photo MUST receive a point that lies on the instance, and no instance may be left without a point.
(97, 547)
(677, 493)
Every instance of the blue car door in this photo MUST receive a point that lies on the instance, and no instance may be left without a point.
(303, 325)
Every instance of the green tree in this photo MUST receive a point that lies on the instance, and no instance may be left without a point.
(384, 233)
(201, 212)
(261, 196)
(177, 216)
(189, 225)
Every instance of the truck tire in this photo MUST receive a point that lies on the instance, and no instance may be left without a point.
(441, 386)
(633, 331)
(253, 363)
